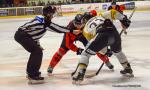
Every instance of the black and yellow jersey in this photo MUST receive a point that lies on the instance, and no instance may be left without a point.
(89, 30)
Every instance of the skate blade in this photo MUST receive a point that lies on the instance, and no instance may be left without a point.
(78, 83)
(32, 82)
(90, 75)
(112, 70)
(128, 75)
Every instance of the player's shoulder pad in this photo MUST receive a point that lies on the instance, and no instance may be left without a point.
(40, 18)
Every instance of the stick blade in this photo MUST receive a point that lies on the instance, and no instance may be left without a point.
(90, 75)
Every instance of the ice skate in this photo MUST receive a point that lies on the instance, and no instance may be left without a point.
(127, 72)
(36, 80)
(79, 78)
(109, 65)
(49, 71)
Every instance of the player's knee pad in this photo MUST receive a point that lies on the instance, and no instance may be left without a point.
(61, 52)
(85, 58)
(121, 57)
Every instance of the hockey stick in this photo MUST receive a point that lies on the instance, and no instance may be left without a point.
(89, 75)
(95, 74)
(75, 70)
(124, 29)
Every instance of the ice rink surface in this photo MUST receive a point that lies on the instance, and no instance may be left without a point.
(136, 45)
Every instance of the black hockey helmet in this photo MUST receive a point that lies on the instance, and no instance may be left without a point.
(78, 19)
(117, 7)
(87, 16)
(110, 7)
(48, 10)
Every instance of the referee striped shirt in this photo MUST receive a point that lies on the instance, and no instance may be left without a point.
(35, 28)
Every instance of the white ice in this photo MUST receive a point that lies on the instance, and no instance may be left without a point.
(136, 45)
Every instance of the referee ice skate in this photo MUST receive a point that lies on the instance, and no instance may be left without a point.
(28, 36)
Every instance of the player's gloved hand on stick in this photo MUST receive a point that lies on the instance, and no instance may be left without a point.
(125, 22)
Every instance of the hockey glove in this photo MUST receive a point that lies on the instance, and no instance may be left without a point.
(79, 51)
(126, 22)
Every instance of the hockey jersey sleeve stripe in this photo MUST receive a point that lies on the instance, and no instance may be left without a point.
(50, 29)
(54, 29)
(57, 28)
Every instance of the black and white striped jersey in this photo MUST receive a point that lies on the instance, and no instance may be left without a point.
(35, 28)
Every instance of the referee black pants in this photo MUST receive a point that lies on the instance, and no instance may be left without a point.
(36, 54)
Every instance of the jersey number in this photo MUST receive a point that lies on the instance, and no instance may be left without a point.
(94, 24)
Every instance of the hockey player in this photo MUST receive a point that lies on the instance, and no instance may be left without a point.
(68, 43)
(28, 36)
(68, 40)
(104, 33)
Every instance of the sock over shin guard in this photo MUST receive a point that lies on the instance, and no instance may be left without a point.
(104, 58)
(57, 57)
(122, 59)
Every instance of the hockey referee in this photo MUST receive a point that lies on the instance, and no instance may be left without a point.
(28, 36)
